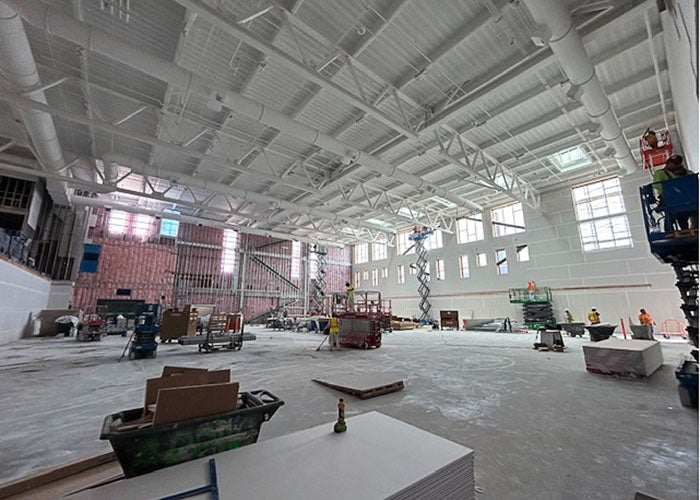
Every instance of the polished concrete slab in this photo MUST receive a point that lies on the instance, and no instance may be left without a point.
(541, 426)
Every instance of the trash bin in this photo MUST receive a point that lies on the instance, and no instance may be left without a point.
(573, 329)
(600, 332)
(144, 450)
(642, 332)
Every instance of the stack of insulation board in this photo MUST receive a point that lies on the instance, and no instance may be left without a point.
(378, 457)
(639, 358)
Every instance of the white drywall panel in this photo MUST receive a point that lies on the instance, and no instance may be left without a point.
(22, 295)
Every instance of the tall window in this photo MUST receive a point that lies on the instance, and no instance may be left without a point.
(440, 269)
(401, 274)
(501, 261)
(385, 272)
(375, 277)
(296, 260)
(433, 241)
(481, 259)
(463, 266)
(600, 210)
(117, 222)
(378, 251)
(357, 279)
(403, 243)
(142, 224)
(361, 253)
(365, 275)
(508, 219)
(412, 269)
(470, 229)
(228, 255)
(522, 252)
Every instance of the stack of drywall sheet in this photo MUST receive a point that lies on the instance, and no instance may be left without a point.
(377, 458)
(638, 358)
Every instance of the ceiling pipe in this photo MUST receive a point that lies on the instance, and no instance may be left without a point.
(558, 30)
(18, 68)
(69, 28)
(138, 166)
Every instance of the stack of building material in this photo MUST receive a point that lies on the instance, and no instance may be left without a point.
(638, 358)
(182, 394)
(378, 457)
(363, 386)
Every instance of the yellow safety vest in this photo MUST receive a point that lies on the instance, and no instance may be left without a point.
(334, 325)
(593, 317)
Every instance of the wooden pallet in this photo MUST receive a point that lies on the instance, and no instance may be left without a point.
(364, 387)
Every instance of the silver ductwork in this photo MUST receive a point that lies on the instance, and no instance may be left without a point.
(19, 69)
(557, 29)
(68, 28)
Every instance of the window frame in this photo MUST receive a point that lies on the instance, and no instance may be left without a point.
(401, 274)
(478, 259)
(440, 269)
(501, 262)
(361, 253)
(513, 220)
(470, 230)
(600, 209)
(462, 259)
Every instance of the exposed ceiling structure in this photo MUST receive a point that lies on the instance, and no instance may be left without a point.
(330, 120)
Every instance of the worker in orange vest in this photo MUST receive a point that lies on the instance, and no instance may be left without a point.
(645, 318)
(531, 288)
(333, 331)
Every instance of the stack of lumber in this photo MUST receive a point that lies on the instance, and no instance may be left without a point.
(638, 358)
(378, 457)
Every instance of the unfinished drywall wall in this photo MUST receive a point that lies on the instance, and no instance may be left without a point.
(23, 293)
(618, 282)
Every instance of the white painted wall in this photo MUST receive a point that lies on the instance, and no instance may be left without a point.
(60, 295)
(680, 41)
(22, 294)
(630, 278)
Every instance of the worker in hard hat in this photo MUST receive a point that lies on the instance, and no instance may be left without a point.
(350, 295)
(645, 318)
(594, 316)
(568, 316)
(333, 332)
(651, 138)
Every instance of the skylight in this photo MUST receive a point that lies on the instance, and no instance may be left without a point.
(410, 214)
(571, 159)
(442, 201)
(379, 222)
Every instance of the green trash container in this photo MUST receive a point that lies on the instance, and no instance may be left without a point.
(144, 450)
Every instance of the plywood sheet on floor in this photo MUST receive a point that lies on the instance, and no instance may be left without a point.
(363, 386)
(378, 457)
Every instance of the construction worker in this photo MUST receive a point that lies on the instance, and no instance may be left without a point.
(594, 317)
(531, 289)
(645, 318)
(675, 167)
(350, 290)
(569, 316)
(333, 331)
(651, 138)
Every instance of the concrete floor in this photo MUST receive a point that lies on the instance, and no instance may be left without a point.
(541, 426)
